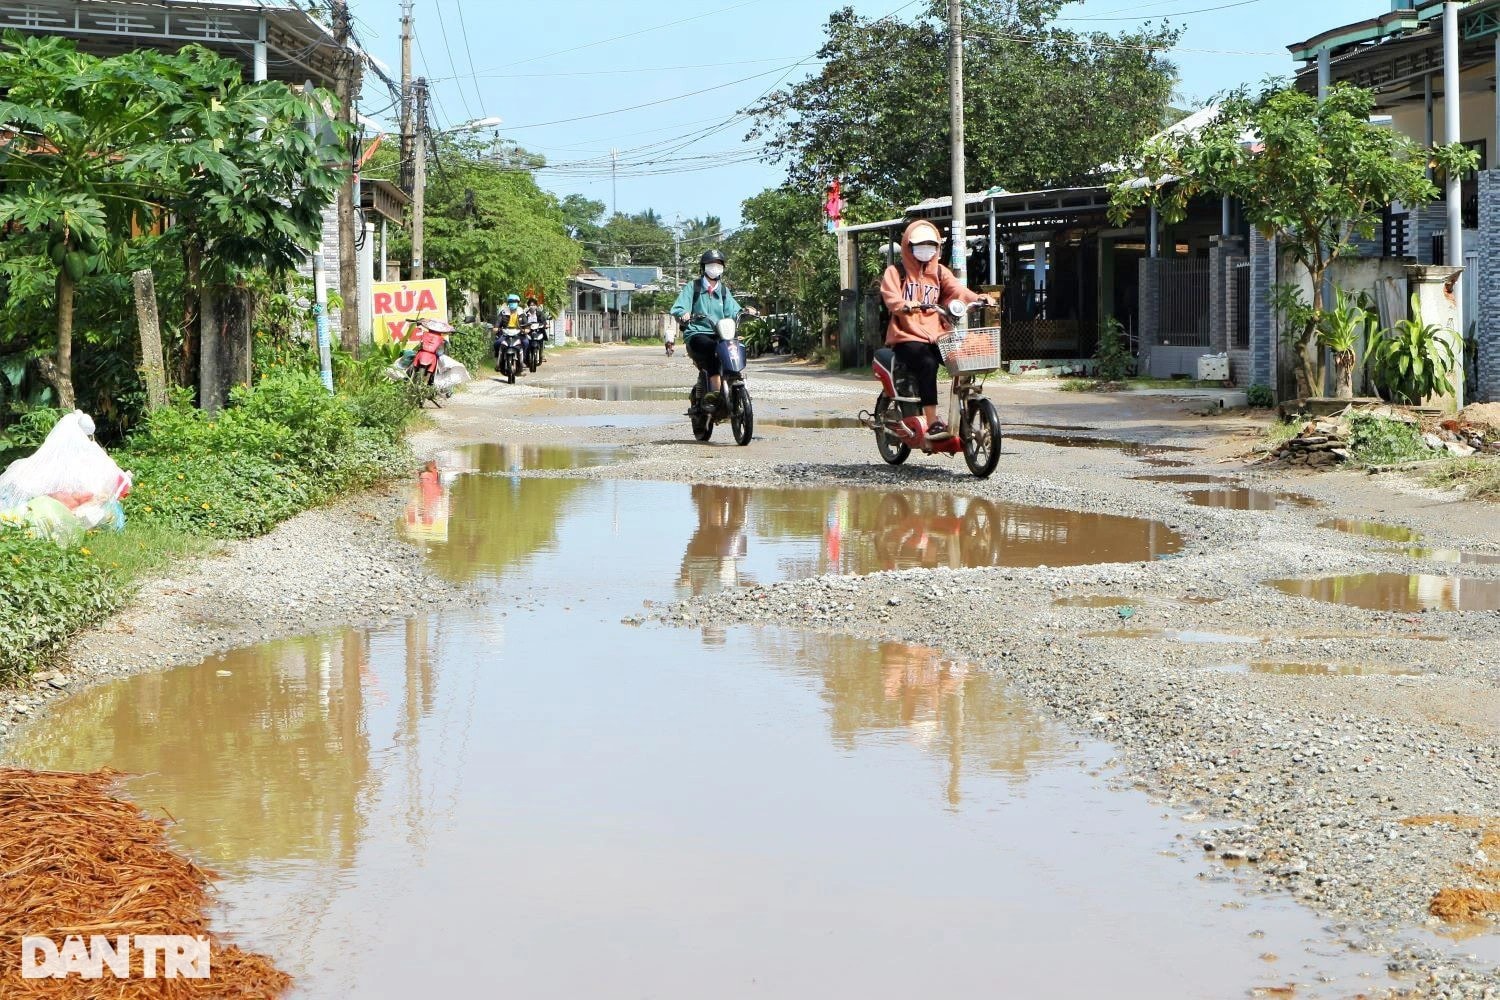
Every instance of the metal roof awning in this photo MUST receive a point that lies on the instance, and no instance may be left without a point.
(1019, 206)
(297, 46)
(603, 284)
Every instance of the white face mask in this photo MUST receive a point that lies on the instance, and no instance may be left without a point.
(714, 271)
(924, 253)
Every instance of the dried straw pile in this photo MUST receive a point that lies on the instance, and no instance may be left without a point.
(76, 860)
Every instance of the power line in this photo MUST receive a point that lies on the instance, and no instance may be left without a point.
(1175, 13)
(652, 104)
(631, 34)
(453, 63)
(624, 72)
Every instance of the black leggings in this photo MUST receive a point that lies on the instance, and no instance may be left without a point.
(703, 348)
(922, 360)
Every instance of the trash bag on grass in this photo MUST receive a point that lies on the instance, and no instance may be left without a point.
(71, 471)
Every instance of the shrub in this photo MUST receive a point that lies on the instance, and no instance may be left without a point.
(1113, 353)
(1381, 441)
(1261, 396)
(470, 345)
(50, 592)
(1413, 360)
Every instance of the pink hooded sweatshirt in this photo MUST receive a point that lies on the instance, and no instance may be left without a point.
(931, 283)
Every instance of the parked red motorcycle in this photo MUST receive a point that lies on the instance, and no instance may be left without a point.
(431, 337)
(969, 355)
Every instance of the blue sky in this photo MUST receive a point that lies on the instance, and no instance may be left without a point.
(561, 61)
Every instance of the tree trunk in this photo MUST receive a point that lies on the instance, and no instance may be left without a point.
(236, 315)
(1343, 375)
(61, 375)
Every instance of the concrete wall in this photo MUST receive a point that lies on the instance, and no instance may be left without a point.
(1354, 275)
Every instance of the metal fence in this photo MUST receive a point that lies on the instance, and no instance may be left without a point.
(1182, 300)
(614, 328)
(1237, 309)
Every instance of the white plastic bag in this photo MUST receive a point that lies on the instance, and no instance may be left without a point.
(450, 373)
(69, 467)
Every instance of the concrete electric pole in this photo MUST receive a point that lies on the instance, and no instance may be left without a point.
(406, 98)
(350, 77)
(419, 177)
(960, 228)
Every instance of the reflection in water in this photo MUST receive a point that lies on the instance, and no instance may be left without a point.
(944, 707)
(733, 536)
(711, 561)
(613, 392)
(1315, 669)
(1135, 449)
(1398, 592)
(1372, 529)
(501, 459)
(1453, 556)
(1242, 498)
(261, 755)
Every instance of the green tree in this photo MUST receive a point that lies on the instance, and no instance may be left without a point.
(491, 229)
(1314, 176)
(639, 238)
(583, 218)
(1043, 106)
(785, 257)
(105, 149)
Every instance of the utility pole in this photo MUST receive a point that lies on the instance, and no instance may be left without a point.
(419, 178)
(677, 251)
(350, 76)
(614, 183)
(406, 97)
(960, 255)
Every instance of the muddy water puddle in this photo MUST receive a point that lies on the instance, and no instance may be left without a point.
(723, 811)
(817, 423)
(1452, 556)
(618, 392)
(1398, 592)
(1292, 669)
(1189, 636)
(697, 815)
(711, 537)
(1372, 529)
(1244, 498)
(629, 421)
(1184, 479)
(1135, 449)
(504, 459)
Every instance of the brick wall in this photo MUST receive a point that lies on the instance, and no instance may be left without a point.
(1262, 318)
(1488, 319)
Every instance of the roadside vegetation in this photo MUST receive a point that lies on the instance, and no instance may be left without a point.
(1479, 478)
(282, 446)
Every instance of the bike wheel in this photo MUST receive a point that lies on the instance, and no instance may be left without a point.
(511, 364)
(893, 450)
(741, 414)
(983, 439)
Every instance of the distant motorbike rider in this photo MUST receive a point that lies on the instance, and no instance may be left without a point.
(699, 308)
(915, 289)
(507, 317)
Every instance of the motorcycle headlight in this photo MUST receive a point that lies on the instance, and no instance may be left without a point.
(727, 329)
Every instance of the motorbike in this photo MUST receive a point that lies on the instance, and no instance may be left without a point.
(509, 352)
(897, 419)
(431, 336)
(734, 402)
(536, 336)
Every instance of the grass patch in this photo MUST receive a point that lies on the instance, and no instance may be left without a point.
(1085, 385)
(1282, 431)
(143, 547)
(1479, 478)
